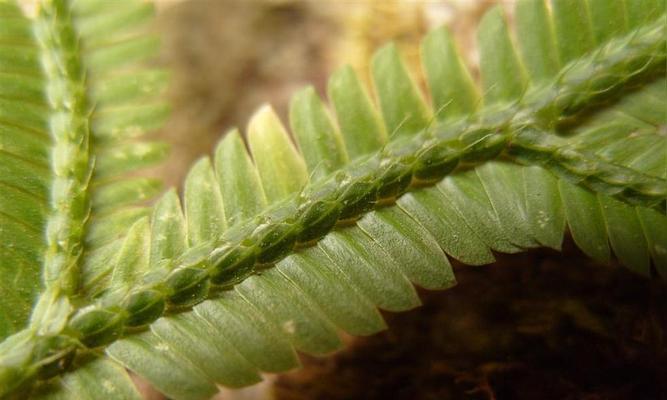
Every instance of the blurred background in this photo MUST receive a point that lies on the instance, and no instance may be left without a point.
(542, 325)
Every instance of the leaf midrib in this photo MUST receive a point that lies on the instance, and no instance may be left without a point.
(71, 171)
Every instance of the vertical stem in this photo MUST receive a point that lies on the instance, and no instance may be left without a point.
(70, 159)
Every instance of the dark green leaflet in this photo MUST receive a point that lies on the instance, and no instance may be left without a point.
(144, 306)
(317, 219)
(187, 286)
(98, 326)
(231, 264)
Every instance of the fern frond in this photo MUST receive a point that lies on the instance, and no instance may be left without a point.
(65, 120)
(277, 252)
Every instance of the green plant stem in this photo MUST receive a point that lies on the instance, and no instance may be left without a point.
(70, 159)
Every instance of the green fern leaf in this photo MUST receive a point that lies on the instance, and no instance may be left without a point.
(66, 120)
(278, 248)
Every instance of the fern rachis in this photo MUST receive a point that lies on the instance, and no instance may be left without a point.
(324, 234)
